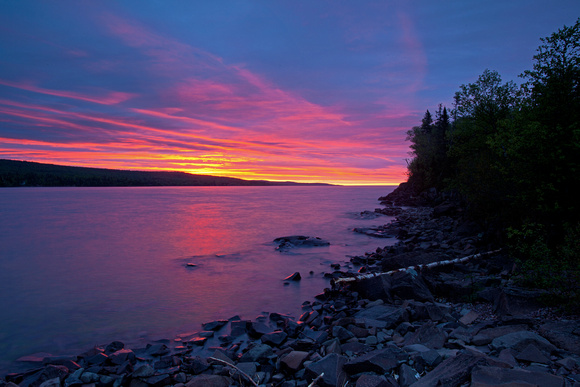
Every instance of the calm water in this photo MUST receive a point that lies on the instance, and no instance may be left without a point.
(85, 266)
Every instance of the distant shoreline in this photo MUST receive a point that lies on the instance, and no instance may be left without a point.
(15, 173)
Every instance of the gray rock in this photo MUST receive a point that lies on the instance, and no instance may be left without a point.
(293, 361)
(429, 335)
(122, 355)
(392, 316)
(533, 355)
(209, 381)
(158, 380)
(144, 371)
(520, 340)
(452, 372)
(331, 365)
(342, 333)
(257, 353)
(214, 325)
(407, 375)
(380, 361)
(366, 380)
(409, 286)
(564, 334)
(496, 376)
(293, 277)
(274, 338)
(51, 383)
(289, 242)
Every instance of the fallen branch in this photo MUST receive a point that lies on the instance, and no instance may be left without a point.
(234, 367)
(339, 281)
(316, 380)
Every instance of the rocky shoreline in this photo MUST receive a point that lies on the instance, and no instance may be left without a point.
(462, 324)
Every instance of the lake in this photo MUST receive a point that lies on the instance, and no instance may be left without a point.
(84, 266)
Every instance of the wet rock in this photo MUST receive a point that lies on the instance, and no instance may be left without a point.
(293, 277)
(214, 325)
(332, 367)
(122, 355)
(289, 242)
(47, 373)
(114, 347)
(496, 376)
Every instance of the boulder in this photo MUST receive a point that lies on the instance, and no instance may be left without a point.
(289, 242)
(564, 334)
(452, 372)
(380, 361)
(366, 380)
(390, 315)
(209, 381)
(293, 277)
(408, 285)
(496, 376)
(331, 365)
(257, 353)
(293, 361)
(520, 340)
(429, 335)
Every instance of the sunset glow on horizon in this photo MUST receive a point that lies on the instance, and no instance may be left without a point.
(282, 91)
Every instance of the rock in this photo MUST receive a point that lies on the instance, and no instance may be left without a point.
(293, 277)
(51, 383)
(391, 315)
(452, 372)
(407, 375)
(114, 347)
(341, 333)
(515, 301)
(564, 334)
(214, 325)
(274, 339)
(409, 286)
(496, 376)
(47, 373)
(257, 353)
(143, 371)
(469, 317)
(293, 361)
(380, 361)
(331, 365)
(429, 335)
(533, 355)
(366, 380)
(289, 242)
(122, 355)
(197, 365)
(374, 288)
(209, 381)
(520, 340)
(158, 380)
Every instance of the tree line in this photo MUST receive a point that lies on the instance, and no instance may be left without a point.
(512, 153)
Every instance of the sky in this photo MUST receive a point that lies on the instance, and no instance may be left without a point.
(300, 90)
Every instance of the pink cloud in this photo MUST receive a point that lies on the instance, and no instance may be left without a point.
(110, 97)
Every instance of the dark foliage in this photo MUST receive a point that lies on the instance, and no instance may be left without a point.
(514, 156)
(23, 173)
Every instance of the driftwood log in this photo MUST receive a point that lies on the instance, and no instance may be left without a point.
(345, 280)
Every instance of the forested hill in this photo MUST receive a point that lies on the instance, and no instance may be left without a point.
(23, 173)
